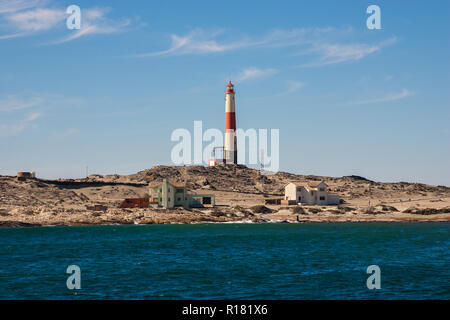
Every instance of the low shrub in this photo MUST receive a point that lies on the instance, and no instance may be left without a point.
(260, 209)
(298, 210)
(345, 208)
(389, 208)
(427, 211)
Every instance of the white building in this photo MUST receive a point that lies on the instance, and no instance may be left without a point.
(310, 194)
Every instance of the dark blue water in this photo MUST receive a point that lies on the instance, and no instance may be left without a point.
(227, 261)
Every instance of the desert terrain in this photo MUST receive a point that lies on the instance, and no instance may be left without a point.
(240, 197)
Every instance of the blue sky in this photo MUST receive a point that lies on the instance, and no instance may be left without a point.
(347, 100)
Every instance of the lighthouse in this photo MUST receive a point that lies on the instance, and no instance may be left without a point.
(230, 147)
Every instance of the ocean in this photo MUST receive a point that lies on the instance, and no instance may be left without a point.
(227, 261)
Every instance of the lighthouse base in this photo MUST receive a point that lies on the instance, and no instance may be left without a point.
(230, 157)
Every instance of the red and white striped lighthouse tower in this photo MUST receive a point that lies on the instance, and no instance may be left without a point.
(230, 148)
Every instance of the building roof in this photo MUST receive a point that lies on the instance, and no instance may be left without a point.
(176, 184)
(299, 184)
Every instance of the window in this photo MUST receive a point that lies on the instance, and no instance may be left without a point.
(322, 198)
(207, 200)
(179, 199)
(168, 199)
(169, 189)
(322, 189)
(179, 190)
(299, 199)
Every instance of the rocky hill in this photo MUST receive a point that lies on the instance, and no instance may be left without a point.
(238, 178)
(40, 201)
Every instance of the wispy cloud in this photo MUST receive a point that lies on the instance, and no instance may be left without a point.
(254, 73)
(12, 35)
(36, 20)
(195, 42)
(8, 130)
(94, 21)
(338, 53)
(294, 86)
(24, 18)
(199, 41)
(316, 42)
(14, 103)
(291, 87)
(7, 6)
(70, 132)
(23, 111)
(405, 93)
(29, 18)
(24, 102)
(32, 116)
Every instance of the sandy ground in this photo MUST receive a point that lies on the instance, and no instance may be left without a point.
(240, 193)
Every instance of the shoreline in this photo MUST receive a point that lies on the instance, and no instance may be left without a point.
(328, 219)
